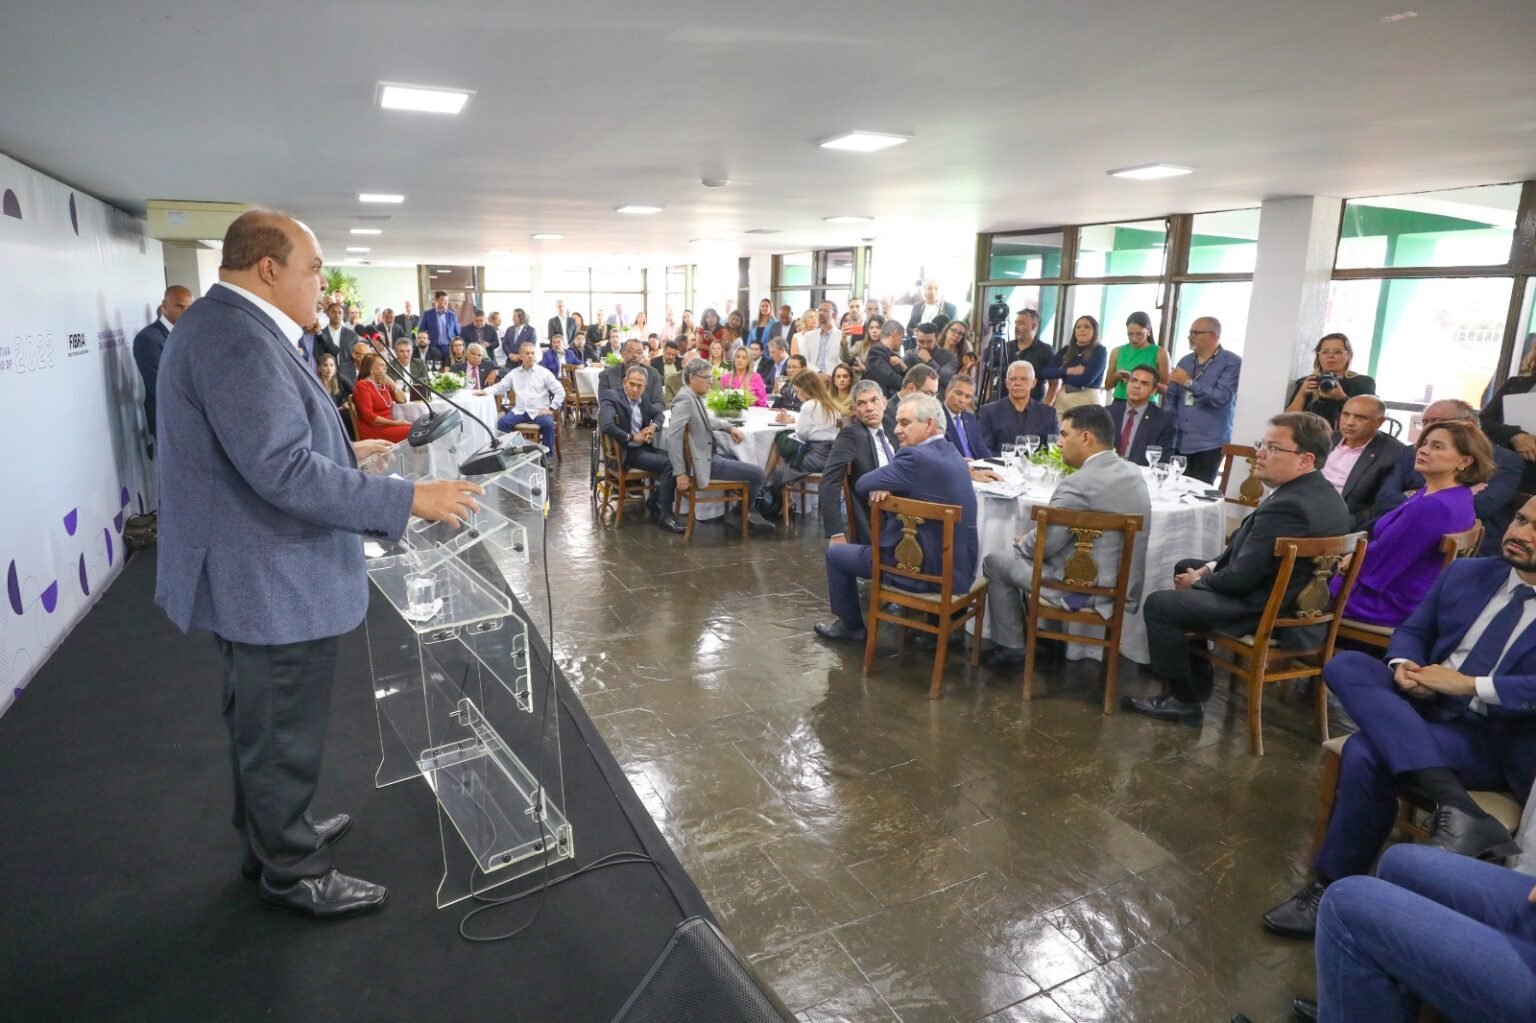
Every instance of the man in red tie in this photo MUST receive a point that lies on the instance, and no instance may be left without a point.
(1139, 424)
(476, 372)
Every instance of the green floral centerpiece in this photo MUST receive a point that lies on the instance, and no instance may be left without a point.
(446, 383)
(727, 402)
(612, 359)
(1050, 457)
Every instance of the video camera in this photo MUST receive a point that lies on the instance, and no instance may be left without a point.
(997, 312)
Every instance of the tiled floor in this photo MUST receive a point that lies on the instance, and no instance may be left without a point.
(883, 857)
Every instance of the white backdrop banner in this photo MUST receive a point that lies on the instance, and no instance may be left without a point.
(78, 279)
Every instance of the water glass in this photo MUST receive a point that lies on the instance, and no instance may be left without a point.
(421, 595)
(1154, 455)
(1178, 463)
(1007, 455)
(1031, 444)
(1053, 442)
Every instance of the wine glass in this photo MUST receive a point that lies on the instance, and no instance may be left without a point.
(1008, 455)
(1031, 444)
(1053, 442)
(1154, 455)
(1178, 463)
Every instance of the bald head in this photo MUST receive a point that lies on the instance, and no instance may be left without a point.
(277, 258)
(175, 303)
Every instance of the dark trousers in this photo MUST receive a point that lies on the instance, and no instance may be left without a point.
(277, 703)
(1433, 927)
(720, 468)
(1169, 613)
(814, 460)
(847, 563)
(546, 425)
(1203, 465)
(1395, 736)
(648, 459)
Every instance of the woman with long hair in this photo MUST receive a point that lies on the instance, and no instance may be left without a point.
(742, 375)
(1139, 350)
(716, 354)
(816, 427)
(641, 325)
(710, 323)
(841, 391)
(955, 338)
(1331, 382)
(1078, 369)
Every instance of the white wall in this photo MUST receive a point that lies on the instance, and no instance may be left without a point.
(385, 287)
(80, 280)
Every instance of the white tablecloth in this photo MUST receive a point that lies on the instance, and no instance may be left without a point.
(586, 380)
(483, 406)
(1181, 527)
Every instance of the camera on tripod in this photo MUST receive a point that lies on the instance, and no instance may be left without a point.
(997, 315)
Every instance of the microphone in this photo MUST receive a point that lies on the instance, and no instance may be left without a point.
(428, 429)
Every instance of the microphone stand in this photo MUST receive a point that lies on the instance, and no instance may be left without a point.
(428, 429)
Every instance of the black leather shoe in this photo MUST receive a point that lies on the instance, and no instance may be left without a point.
(330, 830)
(1165, 708)
(326, 897)
(1304, 1008)
(1457, 831)
(837, 632)
(758, 521)
(671, 524)
(1003, 657)
(1296, 917)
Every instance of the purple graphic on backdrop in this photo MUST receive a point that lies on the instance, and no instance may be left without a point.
(13, 589)
(107, 536)
(85, 586)
(74, 215)
(10, 205)
(71, 520)
(51, 597)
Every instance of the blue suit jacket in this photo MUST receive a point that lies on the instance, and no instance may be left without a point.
(1495, 505)
(262, 508)
(148, 345)
(973, 435)
(935, 472)
(1154, 430)
(429, 323)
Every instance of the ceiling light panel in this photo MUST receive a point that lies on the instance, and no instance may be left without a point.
(1150, 171)
(423, 99)
(863, 141)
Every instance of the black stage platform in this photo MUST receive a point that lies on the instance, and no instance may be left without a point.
(121, 899)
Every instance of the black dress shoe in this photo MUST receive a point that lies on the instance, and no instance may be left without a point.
(760, 522)
(671, 524)
(837, 632)
(326, 897)
(1296, 917)
(330, 830)
(1165, 708)
(1003, 657)
(1304, 1008)
(1457, 831)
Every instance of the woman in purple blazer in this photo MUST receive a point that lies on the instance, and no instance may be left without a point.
(1404, 557)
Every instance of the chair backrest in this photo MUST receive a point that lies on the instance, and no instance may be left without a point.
(1080, 574)
(1393, 427)
(1251, 491)
(568, 379)
(1316, 603)
(909, 552)
(851, 526)
(612, 456)
(1461, 545)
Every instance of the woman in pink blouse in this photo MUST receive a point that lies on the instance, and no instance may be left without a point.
(741, 377)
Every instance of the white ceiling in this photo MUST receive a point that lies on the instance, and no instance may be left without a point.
(1016, 107)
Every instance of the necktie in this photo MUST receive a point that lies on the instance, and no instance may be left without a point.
(1127, 430)
(965, 444)
(1489, 649)
(634, 417)
(885, 445)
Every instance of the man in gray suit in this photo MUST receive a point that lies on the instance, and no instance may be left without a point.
(262, 517)
(691, 418)
(1103, 482)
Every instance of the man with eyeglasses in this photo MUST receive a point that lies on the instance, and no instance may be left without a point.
(1495, 501)
(1202, 394)
(1229, 593)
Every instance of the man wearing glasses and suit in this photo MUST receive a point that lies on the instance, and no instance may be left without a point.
(691, 418)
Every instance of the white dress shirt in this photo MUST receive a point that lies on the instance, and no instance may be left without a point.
(290, 330)
(166, 324)
(876, 435)
(532, 389)
(817, 422)
(1486, 693)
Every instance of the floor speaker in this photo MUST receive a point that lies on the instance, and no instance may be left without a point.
(700, 978)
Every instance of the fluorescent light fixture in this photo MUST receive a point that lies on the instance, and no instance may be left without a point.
(847, 220)
(638, 211)
(357, 248)
(546, 236)
(422, 98)
(366, 230)
(379, 197)
(1150, 171)
(863, 141)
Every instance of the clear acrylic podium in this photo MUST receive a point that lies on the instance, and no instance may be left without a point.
(459, 702)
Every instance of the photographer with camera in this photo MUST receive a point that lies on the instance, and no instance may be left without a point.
(1331, 383)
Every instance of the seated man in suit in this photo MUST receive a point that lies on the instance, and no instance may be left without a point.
(926, 468)
(1451, 707)
(1362, 456)
(1016, 414)
(635, 424)
(1230, 593)
(349, 368)
(787, 397)
(692, 418)
(553, 358)
(774, 365)
(536, 397)
(963, 431)
(612, 378)
(477, 368)
(860, 447)
(883, 363)
(918, 380)
(410, 371)
(580, 352)
(1103, 482)
(1138, 423)
(1494, 501)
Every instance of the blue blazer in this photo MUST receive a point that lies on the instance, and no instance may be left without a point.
(148, 345)
(429, 323)
(936, 472)
(973, 435)
(515, 336)
(262, 507)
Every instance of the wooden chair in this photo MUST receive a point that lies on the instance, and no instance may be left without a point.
(1250, 492)
(799, 491)
(352, 418)
(530, 431)
(1452, 546)
(851, 525)
(586, 404)
(619, 484)
(1080, 576)
(953, 610)
(1411, 807)
(572, 407)
(718, 492)
(1258, 659)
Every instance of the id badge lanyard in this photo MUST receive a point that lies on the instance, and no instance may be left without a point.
(1200, 371)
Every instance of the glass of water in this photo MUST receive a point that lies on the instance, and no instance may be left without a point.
(1154, 455)
(421, 595)
(1031, 444)
(1007, 455)
(1053, 442)
(1178, 463)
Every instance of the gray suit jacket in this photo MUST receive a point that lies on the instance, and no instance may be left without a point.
(692, 417)
(262, 508)
(1106, 483)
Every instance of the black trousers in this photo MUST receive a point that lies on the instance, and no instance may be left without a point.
(1168, 613)
(648, 459)
(720, 468)
(1202, 465)
(277, 704)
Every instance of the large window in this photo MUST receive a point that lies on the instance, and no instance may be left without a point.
(1458, 227)
(806, 279)
(508, 288)
(590, 291)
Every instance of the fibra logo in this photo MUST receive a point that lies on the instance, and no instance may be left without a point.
(77, 345)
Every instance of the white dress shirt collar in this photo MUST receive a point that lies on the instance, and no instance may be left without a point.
(166, 324)
(290, 330)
